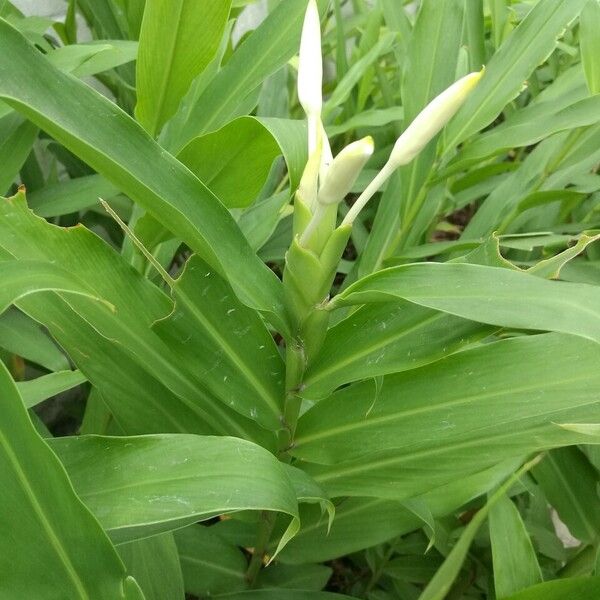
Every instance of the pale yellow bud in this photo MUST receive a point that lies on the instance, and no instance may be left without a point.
(432, 119)
(310, 64)
(344, 170)
(428, 123)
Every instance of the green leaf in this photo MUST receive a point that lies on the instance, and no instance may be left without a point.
(590, 45)
(234, 162)
(84, 60)
(235, 355)
(16, 139)
(259, 222)
(368, 119)
(571, 485)
(154, 563)
(23, 278)
(105, 17)
(514, 560)
(278, 594)
(116, 349)
(263, 52)
(364, 522)
(518, 184)
(44, 521)
(475, 34)
(70, 196)
(497, 296)
(141, 486)
(527, 127)
(357, 71)
(476, 407)
(413, 569)
(87, 124)
(177, 41)
(440, 585)
(296, 577)
(576, 588)
(210, 564)
(37, 390)
(431, 68)
(291, 137)
(520, 53)
(22, 336)
(381, 339)
(550, 268)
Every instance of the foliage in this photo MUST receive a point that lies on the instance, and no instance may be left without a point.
(233, 365)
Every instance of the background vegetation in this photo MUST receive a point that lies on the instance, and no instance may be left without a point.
(174, 417)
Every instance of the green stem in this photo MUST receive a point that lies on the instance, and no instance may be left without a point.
(265, 528)
(295, 363)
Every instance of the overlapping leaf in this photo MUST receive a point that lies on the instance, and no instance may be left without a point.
(88, 124)
(43, 519)
(140, 486)
(457, 416)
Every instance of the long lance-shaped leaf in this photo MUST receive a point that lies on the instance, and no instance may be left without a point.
(528, 127)
(576, 588)
(440, 584)
(515, 562)
(141, 486)
(37, 390)
(486, 294)
(177, 40)
(24, 278)
(154, 563)
(380, 339)
(457, 416)
(263, 52)
(527, 46)
(277, 594)
(437, 410)
(211, 565)
(570, 483)
(22, 336)
(80, 256)
(112, 143)
(44, 523)
(364, 522)
(234, 353)
(431, 67)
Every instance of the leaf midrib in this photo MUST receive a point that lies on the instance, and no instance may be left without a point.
(167, 74)
(46, 525)
(386, 419)
(395, 460)
(237, 360)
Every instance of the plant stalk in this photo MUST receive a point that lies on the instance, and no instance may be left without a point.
(265, 528)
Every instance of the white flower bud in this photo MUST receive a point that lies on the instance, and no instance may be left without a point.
(428, 123)
(310, 64)
(432, 119)
(344, 170)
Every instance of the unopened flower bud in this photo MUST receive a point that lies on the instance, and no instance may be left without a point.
(428, 123)
(310, 64)
(432, 119)
(344, 170)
